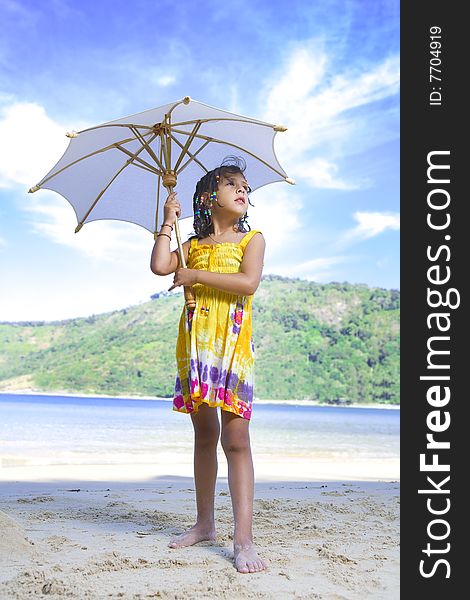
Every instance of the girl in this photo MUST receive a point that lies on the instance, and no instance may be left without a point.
(214, 349)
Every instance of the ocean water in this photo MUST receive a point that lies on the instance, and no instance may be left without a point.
(38, 430)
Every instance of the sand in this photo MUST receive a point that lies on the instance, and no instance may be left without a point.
(108, 539)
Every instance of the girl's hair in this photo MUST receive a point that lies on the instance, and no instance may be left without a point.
(203, 224)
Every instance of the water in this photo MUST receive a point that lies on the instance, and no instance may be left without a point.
(56, 430)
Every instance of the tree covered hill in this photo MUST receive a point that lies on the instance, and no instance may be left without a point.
(333, 343)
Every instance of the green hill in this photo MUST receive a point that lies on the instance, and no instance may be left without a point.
(333, 343)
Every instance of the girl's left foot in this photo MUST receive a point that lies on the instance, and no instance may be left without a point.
(247, 559)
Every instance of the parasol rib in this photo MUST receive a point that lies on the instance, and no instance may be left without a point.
(226, 143)
(147, 146)
(158, 198)
(192, 155)
(125, 125)
(186, 146)
(126, 164)
(215, 119)
(105, 149)
(137, 162)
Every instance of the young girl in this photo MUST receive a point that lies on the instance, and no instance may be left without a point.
(214, 349)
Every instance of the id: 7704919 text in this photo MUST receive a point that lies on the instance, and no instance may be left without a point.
(435, 72)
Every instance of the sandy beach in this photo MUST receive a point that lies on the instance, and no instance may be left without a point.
(108, 539)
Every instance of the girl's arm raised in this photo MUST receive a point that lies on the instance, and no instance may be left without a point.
(243, 283)
(162, 261)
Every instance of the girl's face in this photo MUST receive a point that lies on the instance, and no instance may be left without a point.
(232, 194)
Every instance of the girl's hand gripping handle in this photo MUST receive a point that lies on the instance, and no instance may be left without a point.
(171, 212)
(189, 297)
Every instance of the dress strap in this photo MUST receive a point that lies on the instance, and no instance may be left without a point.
(248, 237)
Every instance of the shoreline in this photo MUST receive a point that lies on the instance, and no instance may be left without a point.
(30, 392)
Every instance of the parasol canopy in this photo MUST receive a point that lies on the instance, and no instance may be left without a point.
(120, 169)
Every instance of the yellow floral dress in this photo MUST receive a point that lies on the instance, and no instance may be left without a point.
(215, 350)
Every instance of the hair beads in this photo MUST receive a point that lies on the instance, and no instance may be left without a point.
(202, 208)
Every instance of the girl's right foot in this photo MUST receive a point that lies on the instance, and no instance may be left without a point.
(196, 534)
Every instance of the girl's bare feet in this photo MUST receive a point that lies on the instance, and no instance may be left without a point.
(195, 534)
(247, 559)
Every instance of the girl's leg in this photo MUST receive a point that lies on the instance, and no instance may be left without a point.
(236, 444)
(206, 437)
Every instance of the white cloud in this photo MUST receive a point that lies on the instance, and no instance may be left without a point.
(234, 99)
(382, 262)
(320, 113)
(104, 240)
(166, 80)
(373, 223)
(29, 143)
(369, 224)
(322, 173)
(317, 269)
(304, 72)
(277, 214)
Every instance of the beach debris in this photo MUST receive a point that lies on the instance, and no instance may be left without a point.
(54, 586)
(36, 499)
(325, 552)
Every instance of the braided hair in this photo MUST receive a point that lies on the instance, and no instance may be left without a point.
(205, 187)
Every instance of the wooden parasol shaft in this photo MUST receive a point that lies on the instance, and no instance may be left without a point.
(169, 181)
(189, 297)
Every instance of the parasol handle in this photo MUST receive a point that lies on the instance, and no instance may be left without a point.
(189, 298)
(169, 180)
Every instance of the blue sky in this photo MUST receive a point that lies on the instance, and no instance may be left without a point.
(327, 70)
